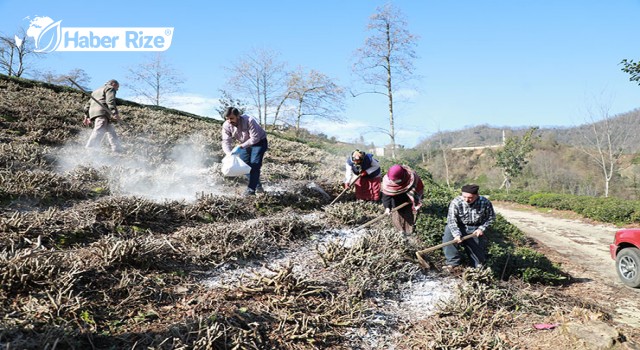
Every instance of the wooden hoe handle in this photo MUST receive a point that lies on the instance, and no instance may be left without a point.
(381, 216)
(345, 190)
(435, 247)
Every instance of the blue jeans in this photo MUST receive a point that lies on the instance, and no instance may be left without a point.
(253, 157)
(474, 247)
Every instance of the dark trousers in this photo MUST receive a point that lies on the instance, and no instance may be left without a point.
(253, 157)
(403, 219)
(474, 247)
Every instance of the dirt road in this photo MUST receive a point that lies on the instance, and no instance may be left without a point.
(583, 250)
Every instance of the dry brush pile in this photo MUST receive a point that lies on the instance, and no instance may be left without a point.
(120, 271)
(83, 267)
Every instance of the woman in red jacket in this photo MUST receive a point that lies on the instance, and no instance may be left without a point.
(368, 184)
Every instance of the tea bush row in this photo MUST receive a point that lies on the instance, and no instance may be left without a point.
(609, 210)
(510, 254)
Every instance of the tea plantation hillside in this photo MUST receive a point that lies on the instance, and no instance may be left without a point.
(152, 248)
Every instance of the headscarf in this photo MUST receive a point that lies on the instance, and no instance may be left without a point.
(402, 179)
(399, 179)
(357, 155)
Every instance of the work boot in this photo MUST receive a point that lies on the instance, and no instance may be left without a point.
(259, 189)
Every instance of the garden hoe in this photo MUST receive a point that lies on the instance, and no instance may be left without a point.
(345, 190)
(420, 254)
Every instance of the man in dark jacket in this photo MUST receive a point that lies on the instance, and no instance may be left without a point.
(468, 213)
(103, 115)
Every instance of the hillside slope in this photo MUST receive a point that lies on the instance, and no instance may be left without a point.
(43, 121)
(154, 249)
(562, 161)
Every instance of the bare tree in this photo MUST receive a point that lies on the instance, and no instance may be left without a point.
(260, 77)
(154, 80)
(605, 143)
(14, 53)
(283, 100)
(77, 74)
(315, 95)
(386, 59)
(227, 101)
(443, 148)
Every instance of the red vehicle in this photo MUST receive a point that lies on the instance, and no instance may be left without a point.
(625, 250)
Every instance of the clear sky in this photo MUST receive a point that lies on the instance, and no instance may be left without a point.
(499, 62)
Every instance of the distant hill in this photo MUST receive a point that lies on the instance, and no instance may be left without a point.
(557, 164)
(486, 135)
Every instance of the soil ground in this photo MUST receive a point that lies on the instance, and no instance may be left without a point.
(581, 247)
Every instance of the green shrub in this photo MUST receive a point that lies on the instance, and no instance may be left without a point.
(537, 275)
(521, 197)
(551, 200)
(611, 210)
(430, 227)
(525, 263)
(580, 204)
(635, 216)
(504, 231)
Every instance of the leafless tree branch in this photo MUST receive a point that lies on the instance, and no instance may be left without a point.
(155, 79)
(386, 59)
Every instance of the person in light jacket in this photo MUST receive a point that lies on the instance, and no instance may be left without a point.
(103, 115)
(251, 147)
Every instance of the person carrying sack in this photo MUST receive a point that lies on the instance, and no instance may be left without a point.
(252, 146)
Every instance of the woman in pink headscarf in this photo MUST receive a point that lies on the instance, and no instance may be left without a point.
(400, 185)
